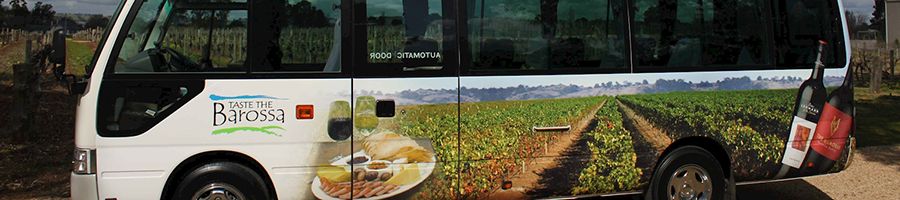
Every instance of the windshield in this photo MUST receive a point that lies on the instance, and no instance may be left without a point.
(107, 29)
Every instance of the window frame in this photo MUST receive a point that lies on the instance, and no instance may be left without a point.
(768, 40)
(466, 58)
(346, 49)
(364, 69)
(840, 46)
(249, 73)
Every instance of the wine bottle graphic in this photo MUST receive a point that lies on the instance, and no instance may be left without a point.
(807, 110)
(832, 131)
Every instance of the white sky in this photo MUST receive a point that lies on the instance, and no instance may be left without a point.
(864, 7)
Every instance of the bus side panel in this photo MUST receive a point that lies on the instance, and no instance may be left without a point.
(259, 118)
(420, 141)
(617, 125)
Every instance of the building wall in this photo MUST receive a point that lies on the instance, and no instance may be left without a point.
(893, 21)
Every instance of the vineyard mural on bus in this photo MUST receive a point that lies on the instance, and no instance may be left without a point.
(618, 125)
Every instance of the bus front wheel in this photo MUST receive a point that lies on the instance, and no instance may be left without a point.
(221, 180)
(688, 172)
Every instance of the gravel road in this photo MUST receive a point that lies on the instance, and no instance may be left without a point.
(874, 174)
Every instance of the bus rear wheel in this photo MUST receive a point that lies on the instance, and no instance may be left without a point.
(690, 173)
(221, 180)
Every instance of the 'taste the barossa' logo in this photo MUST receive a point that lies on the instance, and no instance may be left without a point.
(253, 113)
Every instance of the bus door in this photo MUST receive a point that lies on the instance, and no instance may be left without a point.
(405, 99)
(255, 78)
(529, 73)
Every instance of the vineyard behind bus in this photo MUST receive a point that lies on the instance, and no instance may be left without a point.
(36, 115)
(877, 95)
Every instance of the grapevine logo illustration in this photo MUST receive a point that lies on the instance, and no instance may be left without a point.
(250, 113)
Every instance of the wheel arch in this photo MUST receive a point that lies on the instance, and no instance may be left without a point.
(709, 144)
(712, 146)
(214, 156)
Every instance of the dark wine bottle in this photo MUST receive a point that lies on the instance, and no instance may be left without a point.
(807, 110)
(832, 130)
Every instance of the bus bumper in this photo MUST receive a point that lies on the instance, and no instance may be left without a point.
(84, 186)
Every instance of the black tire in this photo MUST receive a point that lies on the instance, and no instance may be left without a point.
(687, 161)
(226, 176)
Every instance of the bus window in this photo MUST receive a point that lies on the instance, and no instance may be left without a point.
(408, 33)
(530, 35)
(299, 36)
(136, 37)
(191, 36)
(701, 34)
(800, 24)
(213, 38)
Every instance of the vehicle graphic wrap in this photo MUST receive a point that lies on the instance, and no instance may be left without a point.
(564, 135)
(631, 119)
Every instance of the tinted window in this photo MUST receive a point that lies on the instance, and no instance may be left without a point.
(216, 40)
(701, 34)
(535, 35)
(166, 36)
(800, 23)
(404, 32)
(308, 35)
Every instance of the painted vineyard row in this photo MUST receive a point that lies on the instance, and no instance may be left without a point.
(495, 138)
(613, 161)
(734, 117)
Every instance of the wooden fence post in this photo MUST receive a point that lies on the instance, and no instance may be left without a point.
(24, 91)
(876, 72)
(893, 62)
(27, 51)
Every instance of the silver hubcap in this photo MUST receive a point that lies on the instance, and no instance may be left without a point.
(690, 182)
(218, 191)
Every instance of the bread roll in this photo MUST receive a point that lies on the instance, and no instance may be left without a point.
(392, 146)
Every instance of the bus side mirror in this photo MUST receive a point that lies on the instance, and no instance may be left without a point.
(78, 86)
(385, 108)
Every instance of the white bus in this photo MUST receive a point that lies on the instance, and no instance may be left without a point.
(462, 99)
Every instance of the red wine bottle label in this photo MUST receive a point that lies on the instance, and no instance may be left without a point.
(798, 142)
(831, 134)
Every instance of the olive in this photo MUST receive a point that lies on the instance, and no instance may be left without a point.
(371, 176)
(357, 160)
(359, 174)
(385, 176)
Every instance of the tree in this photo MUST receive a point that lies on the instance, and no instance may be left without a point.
(855, 23)
(17, 15)
(305, 15)
(2, 14)
(877, 21)
(96, 21)
(42, 14)
(18, 8)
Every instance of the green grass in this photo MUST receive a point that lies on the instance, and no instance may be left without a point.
(78, 56)
(10, 55)
(877, 117)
